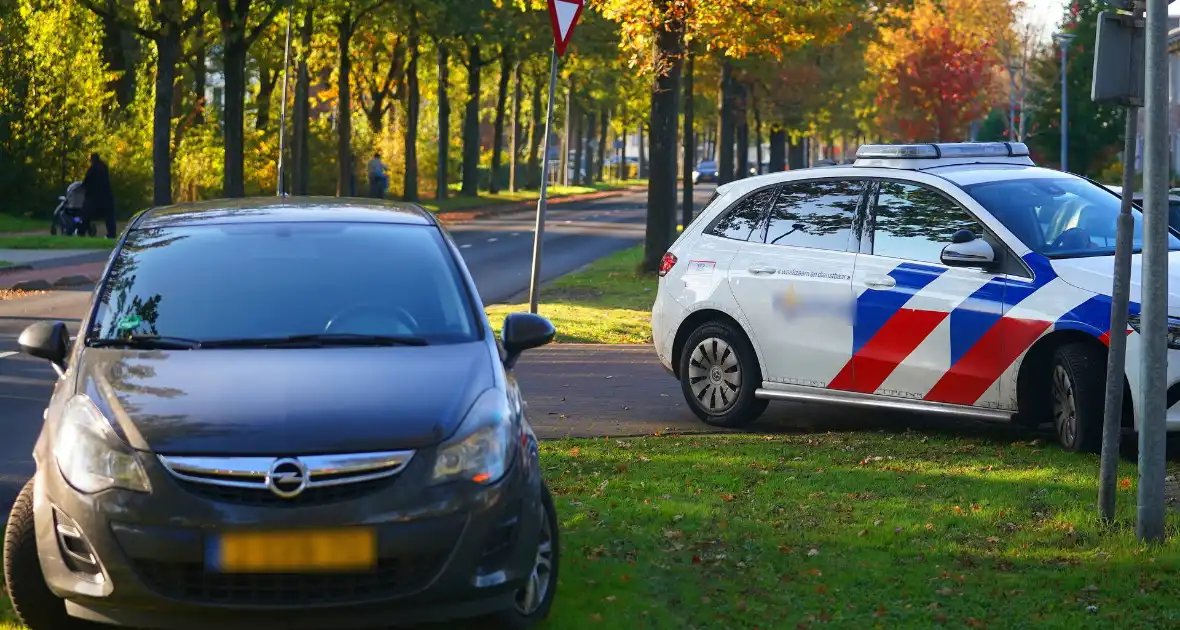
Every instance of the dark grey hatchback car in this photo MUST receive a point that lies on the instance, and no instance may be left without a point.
(284, 414)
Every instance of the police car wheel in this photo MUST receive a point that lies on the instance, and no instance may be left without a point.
(719, 374)
(1077, 385)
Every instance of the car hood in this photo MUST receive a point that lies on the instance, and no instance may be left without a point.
(1096, 273)
(286, 401)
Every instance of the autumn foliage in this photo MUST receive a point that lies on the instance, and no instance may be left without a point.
(936, 70)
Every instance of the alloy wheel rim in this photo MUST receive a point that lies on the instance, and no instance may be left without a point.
(715, 375)
(1065, 414)
(530, 597)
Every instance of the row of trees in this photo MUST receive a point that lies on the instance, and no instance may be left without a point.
(182, 96)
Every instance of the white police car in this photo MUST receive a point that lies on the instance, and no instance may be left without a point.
(948, 278)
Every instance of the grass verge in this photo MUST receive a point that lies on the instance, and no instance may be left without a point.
(607, 302)
(47, 241)
(847, 530)
(5, 263)
(485, 200)
(11, 223)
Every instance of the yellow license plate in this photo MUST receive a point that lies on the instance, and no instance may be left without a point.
(296, 551)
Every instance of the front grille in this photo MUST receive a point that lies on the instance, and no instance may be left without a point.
(191, 582)
(261, 497)
(289, 481)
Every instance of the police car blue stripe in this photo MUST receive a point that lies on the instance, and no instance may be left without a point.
(971, 320)
(874, 307)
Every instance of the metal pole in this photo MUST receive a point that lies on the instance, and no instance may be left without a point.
(283, 110)
(539, 232)
(1153, 367)
(1116, 358)
(1064, 40)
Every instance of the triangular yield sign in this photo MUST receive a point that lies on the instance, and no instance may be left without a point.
(564, 14)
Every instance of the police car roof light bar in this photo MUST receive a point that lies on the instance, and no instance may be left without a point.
(943, 150)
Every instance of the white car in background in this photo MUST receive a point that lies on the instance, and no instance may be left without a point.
(959, 279)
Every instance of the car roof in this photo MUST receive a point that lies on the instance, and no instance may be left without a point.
(285, 210)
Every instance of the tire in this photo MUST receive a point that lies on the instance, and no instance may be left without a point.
(35, 605)
(1077, 389)
(518, 617)
(718, 358)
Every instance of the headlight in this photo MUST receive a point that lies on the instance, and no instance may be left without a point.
(483, 449)
(1135, 321)
(89, 454)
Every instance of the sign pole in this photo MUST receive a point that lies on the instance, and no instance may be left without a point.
(283, 113)
(1116, 360)
(539, 233)
(1153, 367)
(563, 16)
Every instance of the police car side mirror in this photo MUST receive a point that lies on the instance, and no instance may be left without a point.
(975, 252)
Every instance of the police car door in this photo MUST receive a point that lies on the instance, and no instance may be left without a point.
(793, 281)
(917, 319)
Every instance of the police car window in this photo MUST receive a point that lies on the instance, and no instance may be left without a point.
(745, 218)
(916, 223)
(817, 215)
(1059, 217)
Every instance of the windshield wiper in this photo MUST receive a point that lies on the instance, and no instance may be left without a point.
(147, 342)
(317, 340)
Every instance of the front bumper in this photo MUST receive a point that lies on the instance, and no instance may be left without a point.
(445, 553)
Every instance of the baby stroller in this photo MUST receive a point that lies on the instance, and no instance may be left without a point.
(67, 218)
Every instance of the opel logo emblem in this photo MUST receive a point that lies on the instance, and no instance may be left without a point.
(287, 478)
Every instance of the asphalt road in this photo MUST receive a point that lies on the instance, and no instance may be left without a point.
(497, 251)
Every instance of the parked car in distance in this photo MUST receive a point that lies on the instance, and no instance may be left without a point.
(284, 413)
(1173, 204)
(957, 279)
(706, 171)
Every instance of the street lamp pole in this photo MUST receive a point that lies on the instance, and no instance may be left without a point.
(1064, 39)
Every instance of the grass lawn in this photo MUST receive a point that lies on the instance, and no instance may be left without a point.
(607, 302)
(10, 224)
(5, 263)
(846, 530)
(47, 241)
(484, 200)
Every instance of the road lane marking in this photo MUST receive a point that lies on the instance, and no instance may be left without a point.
(465, 246)
(516, 234)
(5, 355)
(493, 240)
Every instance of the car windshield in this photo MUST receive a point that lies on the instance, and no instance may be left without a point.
(707, 165)
(1060, 217)
(258, 281)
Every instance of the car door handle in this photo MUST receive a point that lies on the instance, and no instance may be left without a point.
(880, 282)
(760, 270)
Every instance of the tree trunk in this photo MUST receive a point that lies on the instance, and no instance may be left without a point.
(798, 155)
(266, 89)
(471, 125)
(725, 122)
(624, 169)
(200, 82)
(661, 188)
(600, 164)
(444, 122)
(300, 153)
(757, 129)
(119, 45)
(743, 133)
(778, 149)
(579, 133)
(517, 125)
(498, 131)
(686, 209)
(234, 179)
(344, 182)
(167, 50)
(588, 161)
(536, 131)
(413, 105)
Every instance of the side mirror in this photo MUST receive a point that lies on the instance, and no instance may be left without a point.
(966, 250)
(46, 340)
(524, 331)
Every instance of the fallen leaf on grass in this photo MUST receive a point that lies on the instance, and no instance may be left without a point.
(812, 552)
(946, 590)
(975, 623)
(1125, 483)
(862, 532)
(596, 617)
(880, 612)
(728, 498)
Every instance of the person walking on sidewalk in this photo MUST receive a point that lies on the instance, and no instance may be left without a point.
(99, 200)
(378, 177)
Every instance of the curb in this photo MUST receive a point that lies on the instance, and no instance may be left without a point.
(15, 268)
